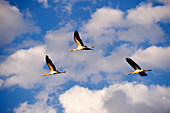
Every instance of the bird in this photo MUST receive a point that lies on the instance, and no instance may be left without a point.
(80, 45)
(136, 67)
(52, 68)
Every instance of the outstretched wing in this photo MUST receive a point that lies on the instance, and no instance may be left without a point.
(77, 39)
(133, 64)
(142, 74)
(50, 64)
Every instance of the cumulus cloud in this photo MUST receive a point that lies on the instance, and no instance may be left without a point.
(82, 65)
(155, 57)
(13, 23)
(36, 108)
(137, 25)
(24, 67)
(146, 14)
(117, 98)
(86, 101)
(76, 64)
(163, 1)
(106, 26)
(40, 106)
(102, 19)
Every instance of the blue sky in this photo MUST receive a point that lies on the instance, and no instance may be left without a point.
(94, 81)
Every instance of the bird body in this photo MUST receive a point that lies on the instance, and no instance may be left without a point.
(79, 42)
(52, 68)
(136, 67)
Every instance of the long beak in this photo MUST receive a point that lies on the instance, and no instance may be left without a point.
(69, 51)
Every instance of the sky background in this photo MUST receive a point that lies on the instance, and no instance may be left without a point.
(94, 81)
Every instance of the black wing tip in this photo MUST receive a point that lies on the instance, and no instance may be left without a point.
(76, 31)
(47, 57)
(128, 59)
(143, 74)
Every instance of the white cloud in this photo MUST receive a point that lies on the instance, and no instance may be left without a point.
(35, 108)
(117, 98)
(45, 3)
(24, 67)
(27, 70)
(163, 1)
(138, 34)
(102, 19)
(137, 25)
(77, 63)
(82, 100)
(146, 14)
(13, 24)
(154, 57)
(40, 106)
(82, 65)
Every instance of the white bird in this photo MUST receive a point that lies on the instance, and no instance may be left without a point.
(136, 67)
(80, 45)
(52, 68)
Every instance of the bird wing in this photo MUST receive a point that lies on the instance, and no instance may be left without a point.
(142, 74)
(77, 39)
(50, 64)
(133, 64)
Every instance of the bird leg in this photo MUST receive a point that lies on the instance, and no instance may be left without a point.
(63, 72)
(148, 70)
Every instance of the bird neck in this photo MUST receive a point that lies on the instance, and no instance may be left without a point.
(129, 73)
(72, 50)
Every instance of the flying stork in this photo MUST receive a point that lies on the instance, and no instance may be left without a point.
(80, 45)
(136, 67)
(52, 68)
